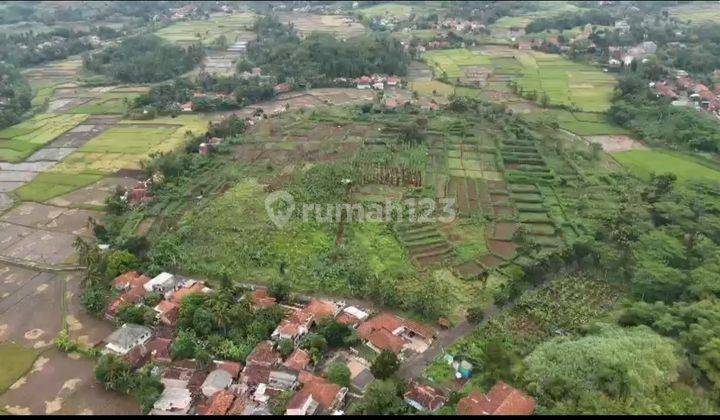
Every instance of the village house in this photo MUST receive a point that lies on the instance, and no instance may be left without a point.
(218, 405)
(283, 379)
(261, 298)
(162, 283)
(139, 194)
(132, 296)
(264, 354)
(217, 380)
(390, 332)
(298, 323)
(352, 316)
(122, 340)
(501, 400)
(167, 312)
(317, 396)
(173, 400)
(424, 398)
(297, 361)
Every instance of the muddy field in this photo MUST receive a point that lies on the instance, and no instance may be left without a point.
(312, 98)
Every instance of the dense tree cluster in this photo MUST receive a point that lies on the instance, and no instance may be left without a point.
(15, 95)
(280, 52)
(144, 58)
(571, 20)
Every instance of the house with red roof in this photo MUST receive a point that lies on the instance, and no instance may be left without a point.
(129, 280)
(261, 298)
(299, 360)
(264, 354)
(501, 400)
(318, 395)
(130, 297)
(424, 398)
(388, 331)
(218, 405)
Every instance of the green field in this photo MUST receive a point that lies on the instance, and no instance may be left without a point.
(16, 362)
(22, 140)
(580, 123)
(401, 11)
(208, 30)
(566, 82)
(450, 63)
(645, 162)
(49, 185)
(697, 12)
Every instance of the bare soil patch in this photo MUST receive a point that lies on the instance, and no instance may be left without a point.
(616, 143)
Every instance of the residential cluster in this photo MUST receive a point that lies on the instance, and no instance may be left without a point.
(684, 91)
(233, 388)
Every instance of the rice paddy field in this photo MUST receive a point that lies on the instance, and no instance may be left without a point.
(401, 11)
(22, 140)
(452, 63)
(566, 82)
(336, 25)
(234, 27)
(645, 162)
(121, 147)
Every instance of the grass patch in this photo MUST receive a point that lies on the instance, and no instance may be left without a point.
(17, 361)
(644, 162)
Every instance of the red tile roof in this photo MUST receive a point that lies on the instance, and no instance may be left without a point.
(385, 340)
(501, 400)
(428, 397)
(129, 280)
(263, 354)
(219, 404)
(135, 294)
(321, 390)
(159, 349)
(254, 375)
(378, 330)
(186, 291)
(320, 309)
(261, 298)
(298, 360)
(233, 368)
(347, 319)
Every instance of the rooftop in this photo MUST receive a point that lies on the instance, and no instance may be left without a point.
(502, 399)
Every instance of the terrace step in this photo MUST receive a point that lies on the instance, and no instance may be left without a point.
(418, 244)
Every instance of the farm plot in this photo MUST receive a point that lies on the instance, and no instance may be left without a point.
(425, 243)
(234, 27)
(336, 25)
(565, 82)
(21, 140)
(645, 162)
(580, 123)
(455, 63)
